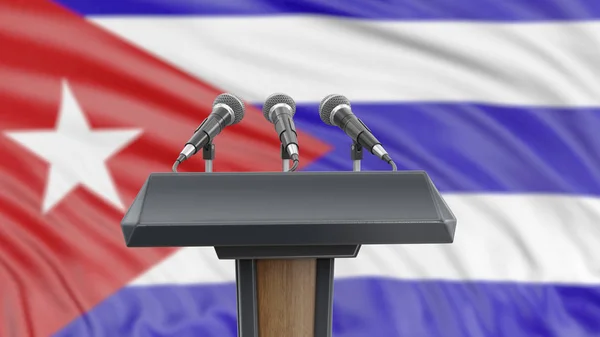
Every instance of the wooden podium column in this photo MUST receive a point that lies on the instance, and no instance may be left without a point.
(286, 297)
(289, 297)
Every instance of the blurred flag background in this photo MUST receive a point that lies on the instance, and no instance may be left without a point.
(497, 100)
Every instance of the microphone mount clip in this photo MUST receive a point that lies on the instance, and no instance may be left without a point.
(208, 154)
(285, 159)
(356, 154)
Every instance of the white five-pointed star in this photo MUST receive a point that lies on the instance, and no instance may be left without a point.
(76, 153)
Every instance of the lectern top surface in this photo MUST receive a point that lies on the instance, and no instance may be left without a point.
(287, 200)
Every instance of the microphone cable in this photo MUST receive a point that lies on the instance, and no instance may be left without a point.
(296, 163)
(177, 162)
(389, 160)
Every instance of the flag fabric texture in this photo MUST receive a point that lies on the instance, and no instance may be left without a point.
(499, 101)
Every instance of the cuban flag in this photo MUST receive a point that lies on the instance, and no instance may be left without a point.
(496, 100)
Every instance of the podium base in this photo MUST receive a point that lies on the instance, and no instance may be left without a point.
(284, 297)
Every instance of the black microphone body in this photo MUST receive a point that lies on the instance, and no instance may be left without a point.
(355, 128)
(284, 126)
(227, 110)
(219, 118)
(279, 109)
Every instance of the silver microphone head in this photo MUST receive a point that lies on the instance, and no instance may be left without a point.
(236, 105)
(276, 99)
(328, 105)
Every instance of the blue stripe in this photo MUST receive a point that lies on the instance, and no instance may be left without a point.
(475, 148)
(362, 307)
(488, 10)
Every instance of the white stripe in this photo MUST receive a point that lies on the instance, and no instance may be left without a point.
(310, 57)
(498, 238)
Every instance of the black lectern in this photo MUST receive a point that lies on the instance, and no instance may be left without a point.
(284, 231)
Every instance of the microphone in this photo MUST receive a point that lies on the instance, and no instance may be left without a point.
(227, 110)
(335, 110)
(279, 109)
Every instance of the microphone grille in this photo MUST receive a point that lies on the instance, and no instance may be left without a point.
(328, 104)
(275, 99)
(234, 103)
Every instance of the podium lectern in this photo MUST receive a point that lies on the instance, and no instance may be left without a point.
(284, 231)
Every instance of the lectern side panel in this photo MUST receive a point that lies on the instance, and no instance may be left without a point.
(283, 198)
(324, 298)
(447, 216)
(132, 217)
(247, 310)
